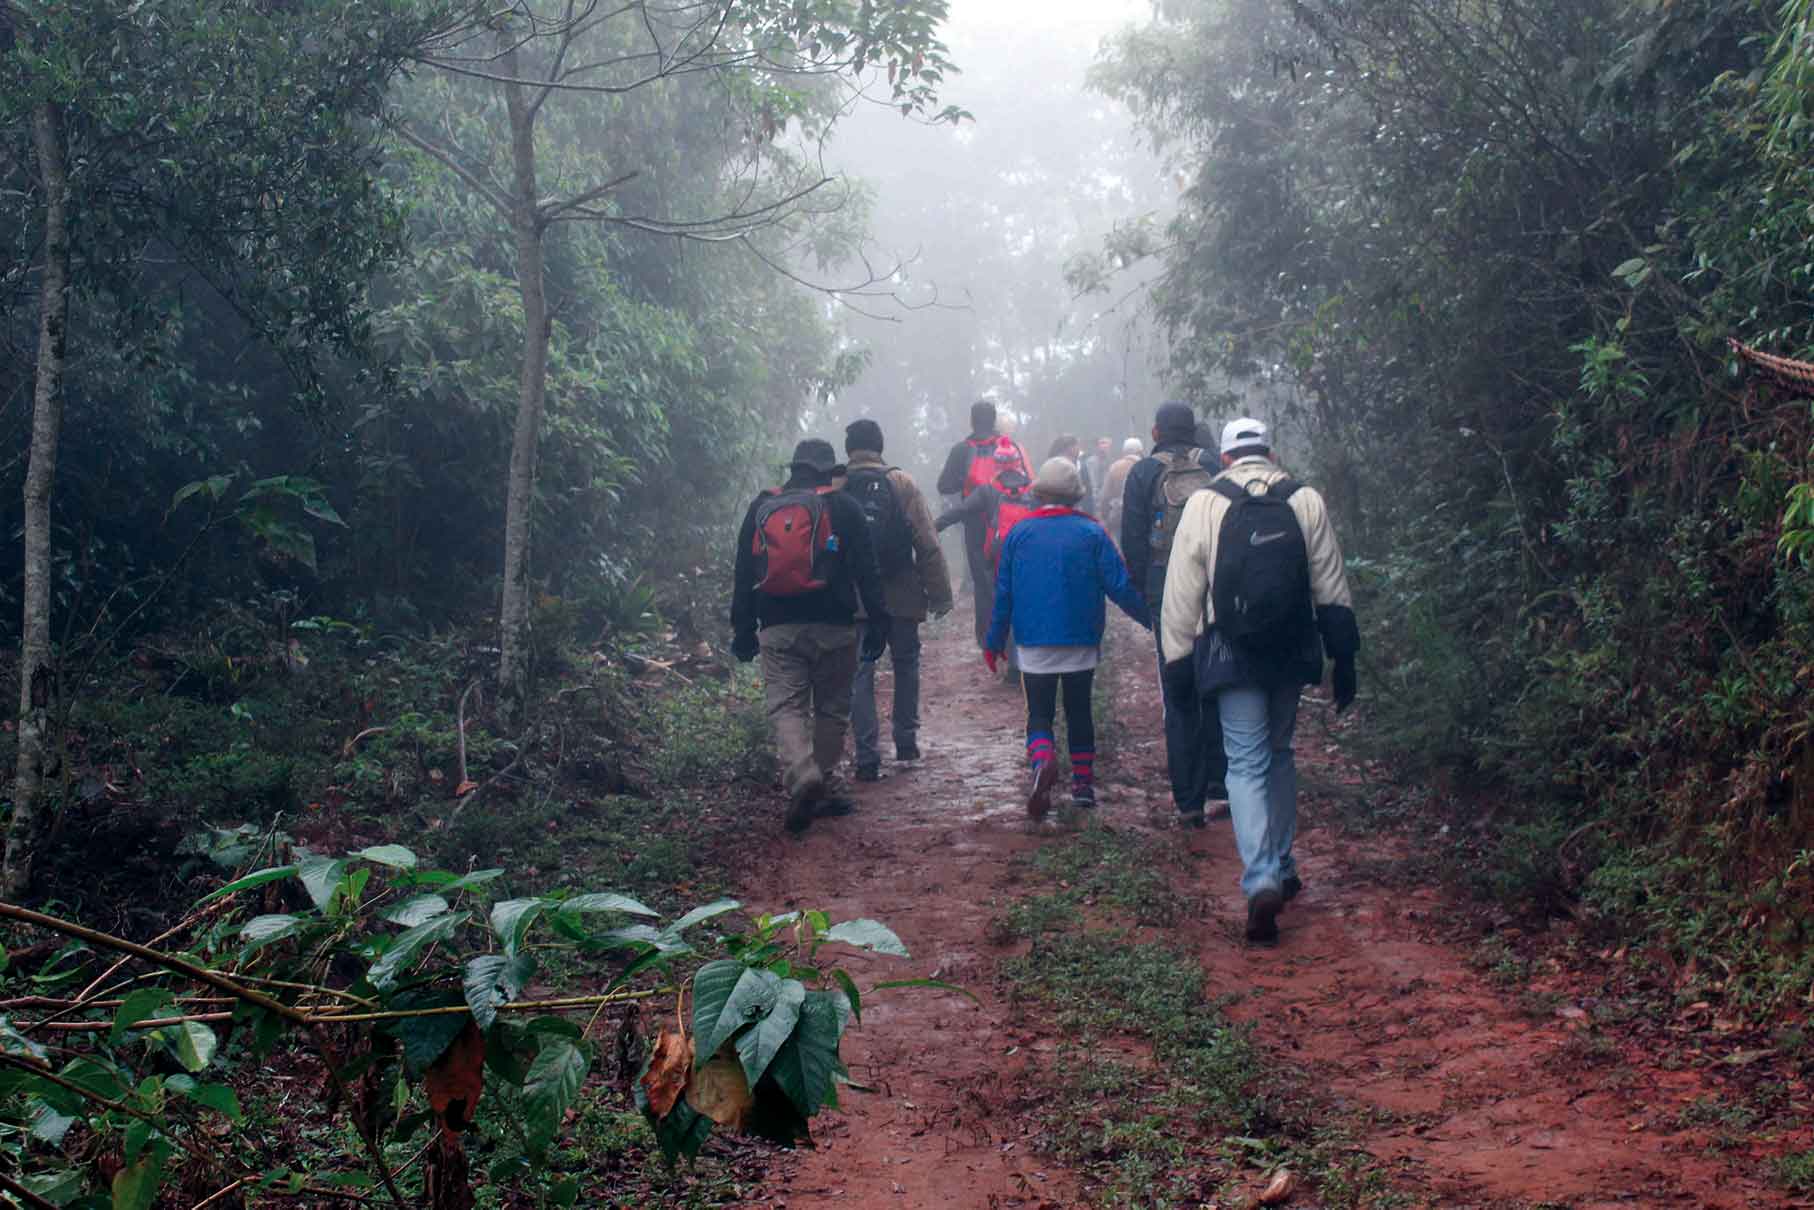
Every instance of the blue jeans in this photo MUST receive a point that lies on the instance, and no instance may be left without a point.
(1257, 729)
(904, 646)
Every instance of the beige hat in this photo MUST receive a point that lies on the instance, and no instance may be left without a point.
(1059, 482)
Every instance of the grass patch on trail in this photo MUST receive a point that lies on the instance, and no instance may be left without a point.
(1154, 1095)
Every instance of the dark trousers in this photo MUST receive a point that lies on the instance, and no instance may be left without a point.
(1193, 744)
(982, 577)
(1043, 690)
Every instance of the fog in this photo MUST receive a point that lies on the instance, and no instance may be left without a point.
(982, 220)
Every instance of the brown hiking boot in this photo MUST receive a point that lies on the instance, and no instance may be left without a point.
(803, 805)
(1039, 802)
(1263, 917)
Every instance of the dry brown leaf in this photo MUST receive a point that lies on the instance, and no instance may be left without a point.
(1284, 1184)
(465, 788)
(721, 1091)
(455, 1080)
(669, 1068)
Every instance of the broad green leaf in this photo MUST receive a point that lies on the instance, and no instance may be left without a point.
(419, 910)
(13, 1042)
(192, 1042)
(511, 919)
(493, 980)
(934, 984)
(756, 1048)
(634, 935)
(217, 1097)
(98, 1078)
(477, 878)
(701, 914)
(808, 1061)
(683, 1132)
(552, 1087)
(426, 1039)
(135, 1186)
(261, 931)
(726, 997)
(850, 993)
(256, 878)
(393, 855)
(869, 935)
(1631, 267)
(140, 1005)
(57, 1188)
(406, 945)
(320, 876)
(606, 901)
(48, 1125)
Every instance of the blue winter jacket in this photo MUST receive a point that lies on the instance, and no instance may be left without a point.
(1056, 568)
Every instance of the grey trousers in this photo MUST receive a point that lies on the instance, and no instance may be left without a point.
(904, 648)
(807, 670)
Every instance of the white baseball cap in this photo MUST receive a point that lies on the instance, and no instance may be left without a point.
(1133, 445)
(1239, 434)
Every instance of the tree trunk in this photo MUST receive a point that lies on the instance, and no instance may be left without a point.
(526, 222)
(37, 677)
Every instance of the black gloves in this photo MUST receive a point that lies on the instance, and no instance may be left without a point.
(746, 647)
(1343, 683)
(875, 639)
(1179, 678)
(1341, 636)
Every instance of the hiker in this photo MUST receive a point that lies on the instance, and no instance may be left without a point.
(973, 462)
(1095, 476)
(1071, 449)
(1114, 484)
(1255, 594)
(1154, 500)
(915, 582)
(994, 507)
(803, 557)
(1057, 566)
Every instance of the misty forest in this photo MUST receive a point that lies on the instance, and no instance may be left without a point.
(407, 811)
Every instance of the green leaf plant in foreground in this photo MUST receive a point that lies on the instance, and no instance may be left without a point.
(415, 994)
(762, 1056)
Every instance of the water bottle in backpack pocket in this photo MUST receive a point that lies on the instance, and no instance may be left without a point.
(793, 543)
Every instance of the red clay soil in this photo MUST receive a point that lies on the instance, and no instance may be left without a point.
(1462, 1093)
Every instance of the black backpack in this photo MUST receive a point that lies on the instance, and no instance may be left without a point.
(1262, 575)
(889, 531)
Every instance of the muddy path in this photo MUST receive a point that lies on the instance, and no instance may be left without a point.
(1451, 1082)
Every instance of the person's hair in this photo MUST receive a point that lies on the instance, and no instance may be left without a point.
(1062, 447)
(1248, 451)
(982, 416)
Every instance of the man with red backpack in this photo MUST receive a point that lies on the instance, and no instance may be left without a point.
(803, 556)
(973, 463)
(1153, 501)
(993, 508)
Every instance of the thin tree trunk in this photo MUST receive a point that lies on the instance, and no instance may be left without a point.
(37, 677)
(513, 662)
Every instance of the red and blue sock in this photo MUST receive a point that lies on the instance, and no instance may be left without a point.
(1083, 768)
(1041, 746)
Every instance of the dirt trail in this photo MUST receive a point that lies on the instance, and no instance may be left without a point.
(1473, 1100)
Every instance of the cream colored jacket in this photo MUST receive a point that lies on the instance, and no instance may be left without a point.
(1189, 609)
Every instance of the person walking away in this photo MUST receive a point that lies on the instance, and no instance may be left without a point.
(1256, 593)
(915, 582)
(995, 506)
(974, 462)
(1114, 484)
(1154, 499)
(1057, 568)
(1071, 449)
(1095, 469)
(803, 558)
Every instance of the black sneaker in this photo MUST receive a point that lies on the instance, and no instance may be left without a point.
(803, 806)
(1039, 801)
(869, 773)
(1083, 793)
(833, 806)
(1291, 888)
(906, 751)
(1263, 917)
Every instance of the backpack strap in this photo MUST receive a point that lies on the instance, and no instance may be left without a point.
(1230, 489)
(1283, 489)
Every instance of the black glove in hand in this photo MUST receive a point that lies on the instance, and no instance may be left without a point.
(746, 647)
(1342, 682)
(1179, 679)
(875, 639)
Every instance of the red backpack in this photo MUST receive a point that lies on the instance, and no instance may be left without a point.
(1016, 506)
(793, 542)
(990, 458)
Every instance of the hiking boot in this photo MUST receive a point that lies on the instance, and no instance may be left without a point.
(906, 751)
(1083, 793)
(803, 805)
(1039, 801)
(869, 773)
(1291, 888)
(833, 806)
(1263, 917)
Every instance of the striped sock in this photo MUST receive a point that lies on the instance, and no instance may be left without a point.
(1040, 746)
(1083, 768)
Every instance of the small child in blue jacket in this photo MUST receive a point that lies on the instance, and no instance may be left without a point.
(1057, 566)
